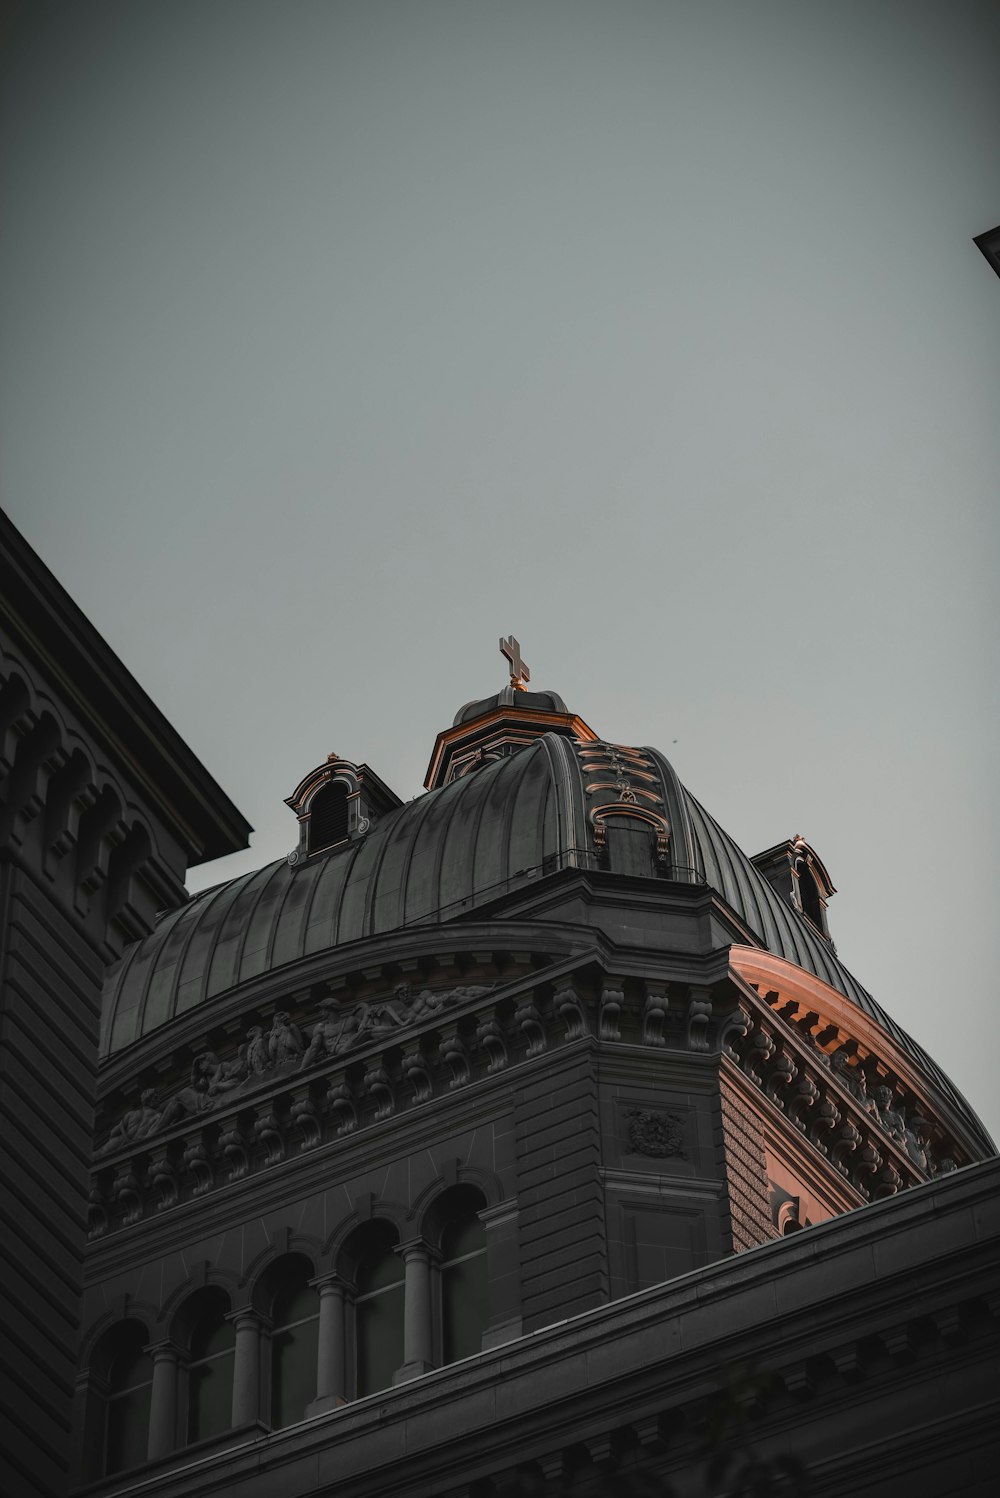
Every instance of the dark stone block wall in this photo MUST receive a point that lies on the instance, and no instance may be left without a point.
(101, 808)
(560, 1195)
(746, 1172)
(50, 986)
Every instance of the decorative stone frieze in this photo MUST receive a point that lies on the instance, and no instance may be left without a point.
(338, 1029)
(869, 1134)
(295, 1086)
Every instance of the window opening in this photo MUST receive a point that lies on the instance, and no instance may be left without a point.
(294, 1347)
(464, 1289)
(210, 1376)
(809, 895)
(328, 816)
(130, 1382)
(379, 1321)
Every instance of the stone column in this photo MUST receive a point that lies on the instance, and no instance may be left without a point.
(331, 1371)
(246, 1365)
(418, 1338)
(163, 1401)
(503, 1270)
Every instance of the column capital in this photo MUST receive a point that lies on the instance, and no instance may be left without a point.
(330, 1281)
(164, 1351)
(245, 1316)
(417, 1248)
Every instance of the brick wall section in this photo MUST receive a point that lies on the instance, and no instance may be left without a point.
(49, 1019)
(563, 1239)
(746, 1172)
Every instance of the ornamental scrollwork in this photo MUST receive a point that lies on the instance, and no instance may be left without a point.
(882, 1110)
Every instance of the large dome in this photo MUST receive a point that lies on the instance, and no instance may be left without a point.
(455, 850)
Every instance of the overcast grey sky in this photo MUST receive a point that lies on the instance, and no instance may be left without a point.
(338, 339)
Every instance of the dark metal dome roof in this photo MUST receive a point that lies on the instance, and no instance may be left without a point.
(440, 856)
(545, 702)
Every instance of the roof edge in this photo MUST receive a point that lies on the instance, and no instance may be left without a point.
(43, 616)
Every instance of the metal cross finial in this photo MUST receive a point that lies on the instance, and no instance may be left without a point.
(519, 673)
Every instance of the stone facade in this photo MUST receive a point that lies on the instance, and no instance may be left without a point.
(102, 808)
(508, 1140)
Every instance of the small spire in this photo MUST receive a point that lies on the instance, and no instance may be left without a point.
(519, 673)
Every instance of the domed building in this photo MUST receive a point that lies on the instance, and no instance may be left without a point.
(523, 1137)
(425, 1152)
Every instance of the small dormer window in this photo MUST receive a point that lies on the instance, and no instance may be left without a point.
(809, 895)
(328, 816)
(335, 804)
(800, 878)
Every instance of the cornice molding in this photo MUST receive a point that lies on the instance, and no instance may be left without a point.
(648, 1365)
(85, 671)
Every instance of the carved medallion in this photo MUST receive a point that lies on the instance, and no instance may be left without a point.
(657, 1134)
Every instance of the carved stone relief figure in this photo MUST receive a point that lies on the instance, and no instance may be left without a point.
(187, 1102)
(137, 1123)
(427, 1003)
(332, 1034)
(284, 1043)
(380, 1018)
(421, 1005)
(918, 1141)
(255, 1051)
(212, 1076)
(890, 1118)
(851, 1077)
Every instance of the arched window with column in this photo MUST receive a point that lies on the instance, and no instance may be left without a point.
(292, 1304)
(371, 1262)
(453, 1228)
(205, 1331)
(118, 1418)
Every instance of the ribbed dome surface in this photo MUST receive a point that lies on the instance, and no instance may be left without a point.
(434, 859)
(426, 860)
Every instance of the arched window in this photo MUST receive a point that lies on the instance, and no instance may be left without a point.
(464, 1287)
(809, 895)
(294, 1336)
(378, 1307)
(328, 816)
(130, 1382)
(211, 1346)
(788, 1218)
(453, 1228)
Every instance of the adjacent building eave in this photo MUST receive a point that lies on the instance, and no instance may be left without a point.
(82, 666)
